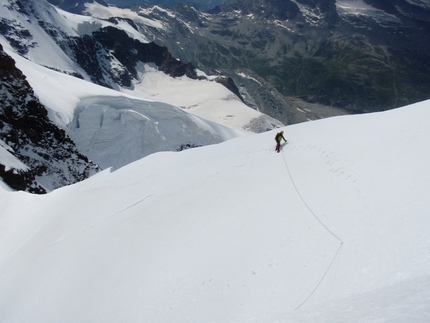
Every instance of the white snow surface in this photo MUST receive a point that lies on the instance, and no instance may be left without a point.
(361, 8)
(334, 229)
(206, 99)
(8, 160)
(103, 12)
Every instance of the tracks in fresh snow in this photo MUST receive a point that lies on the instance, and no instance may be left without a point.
(306, 204)
(322, 223)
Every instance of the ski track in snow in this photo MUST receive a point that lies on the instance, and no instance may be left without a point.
(103, 220)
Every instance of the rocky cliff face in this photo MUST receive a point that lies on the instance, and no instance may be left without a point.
(96, 53)
(108, 55)
(51, 157)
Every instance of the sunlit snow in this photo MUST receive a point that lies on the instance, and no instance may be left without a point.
(334, 229)
(102, 12)
(8, 160)
(360, 8)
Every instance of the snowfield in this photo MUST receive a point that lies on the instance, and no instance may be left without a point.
(334, 229)
(114, 129)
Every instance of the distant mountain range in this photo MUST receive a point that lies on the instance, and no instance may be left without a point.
(310, 57)
(200, 4)
(79, 5)
(314, 55)
(356, 55)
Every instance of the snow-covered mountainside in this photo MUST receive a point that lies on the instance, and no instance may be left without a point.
(142, 107)
(113, 128)
(200, 4)
(335, 228)
(112, 53)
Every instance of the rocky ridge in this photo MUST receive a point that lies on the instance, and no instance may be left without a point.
(51, 157)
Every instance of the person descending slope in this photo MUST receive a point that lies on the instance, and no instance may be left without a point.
(279, 136)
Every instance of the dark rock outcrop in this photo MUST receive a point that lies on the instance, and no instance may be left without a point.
(50, 155)
(94, 54)
(229, 84)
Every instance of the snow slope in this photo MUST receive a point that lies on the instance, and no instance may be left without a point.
(8, 160)
(114, 128)
(206, 99)
(361, 8)
(333, 229)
